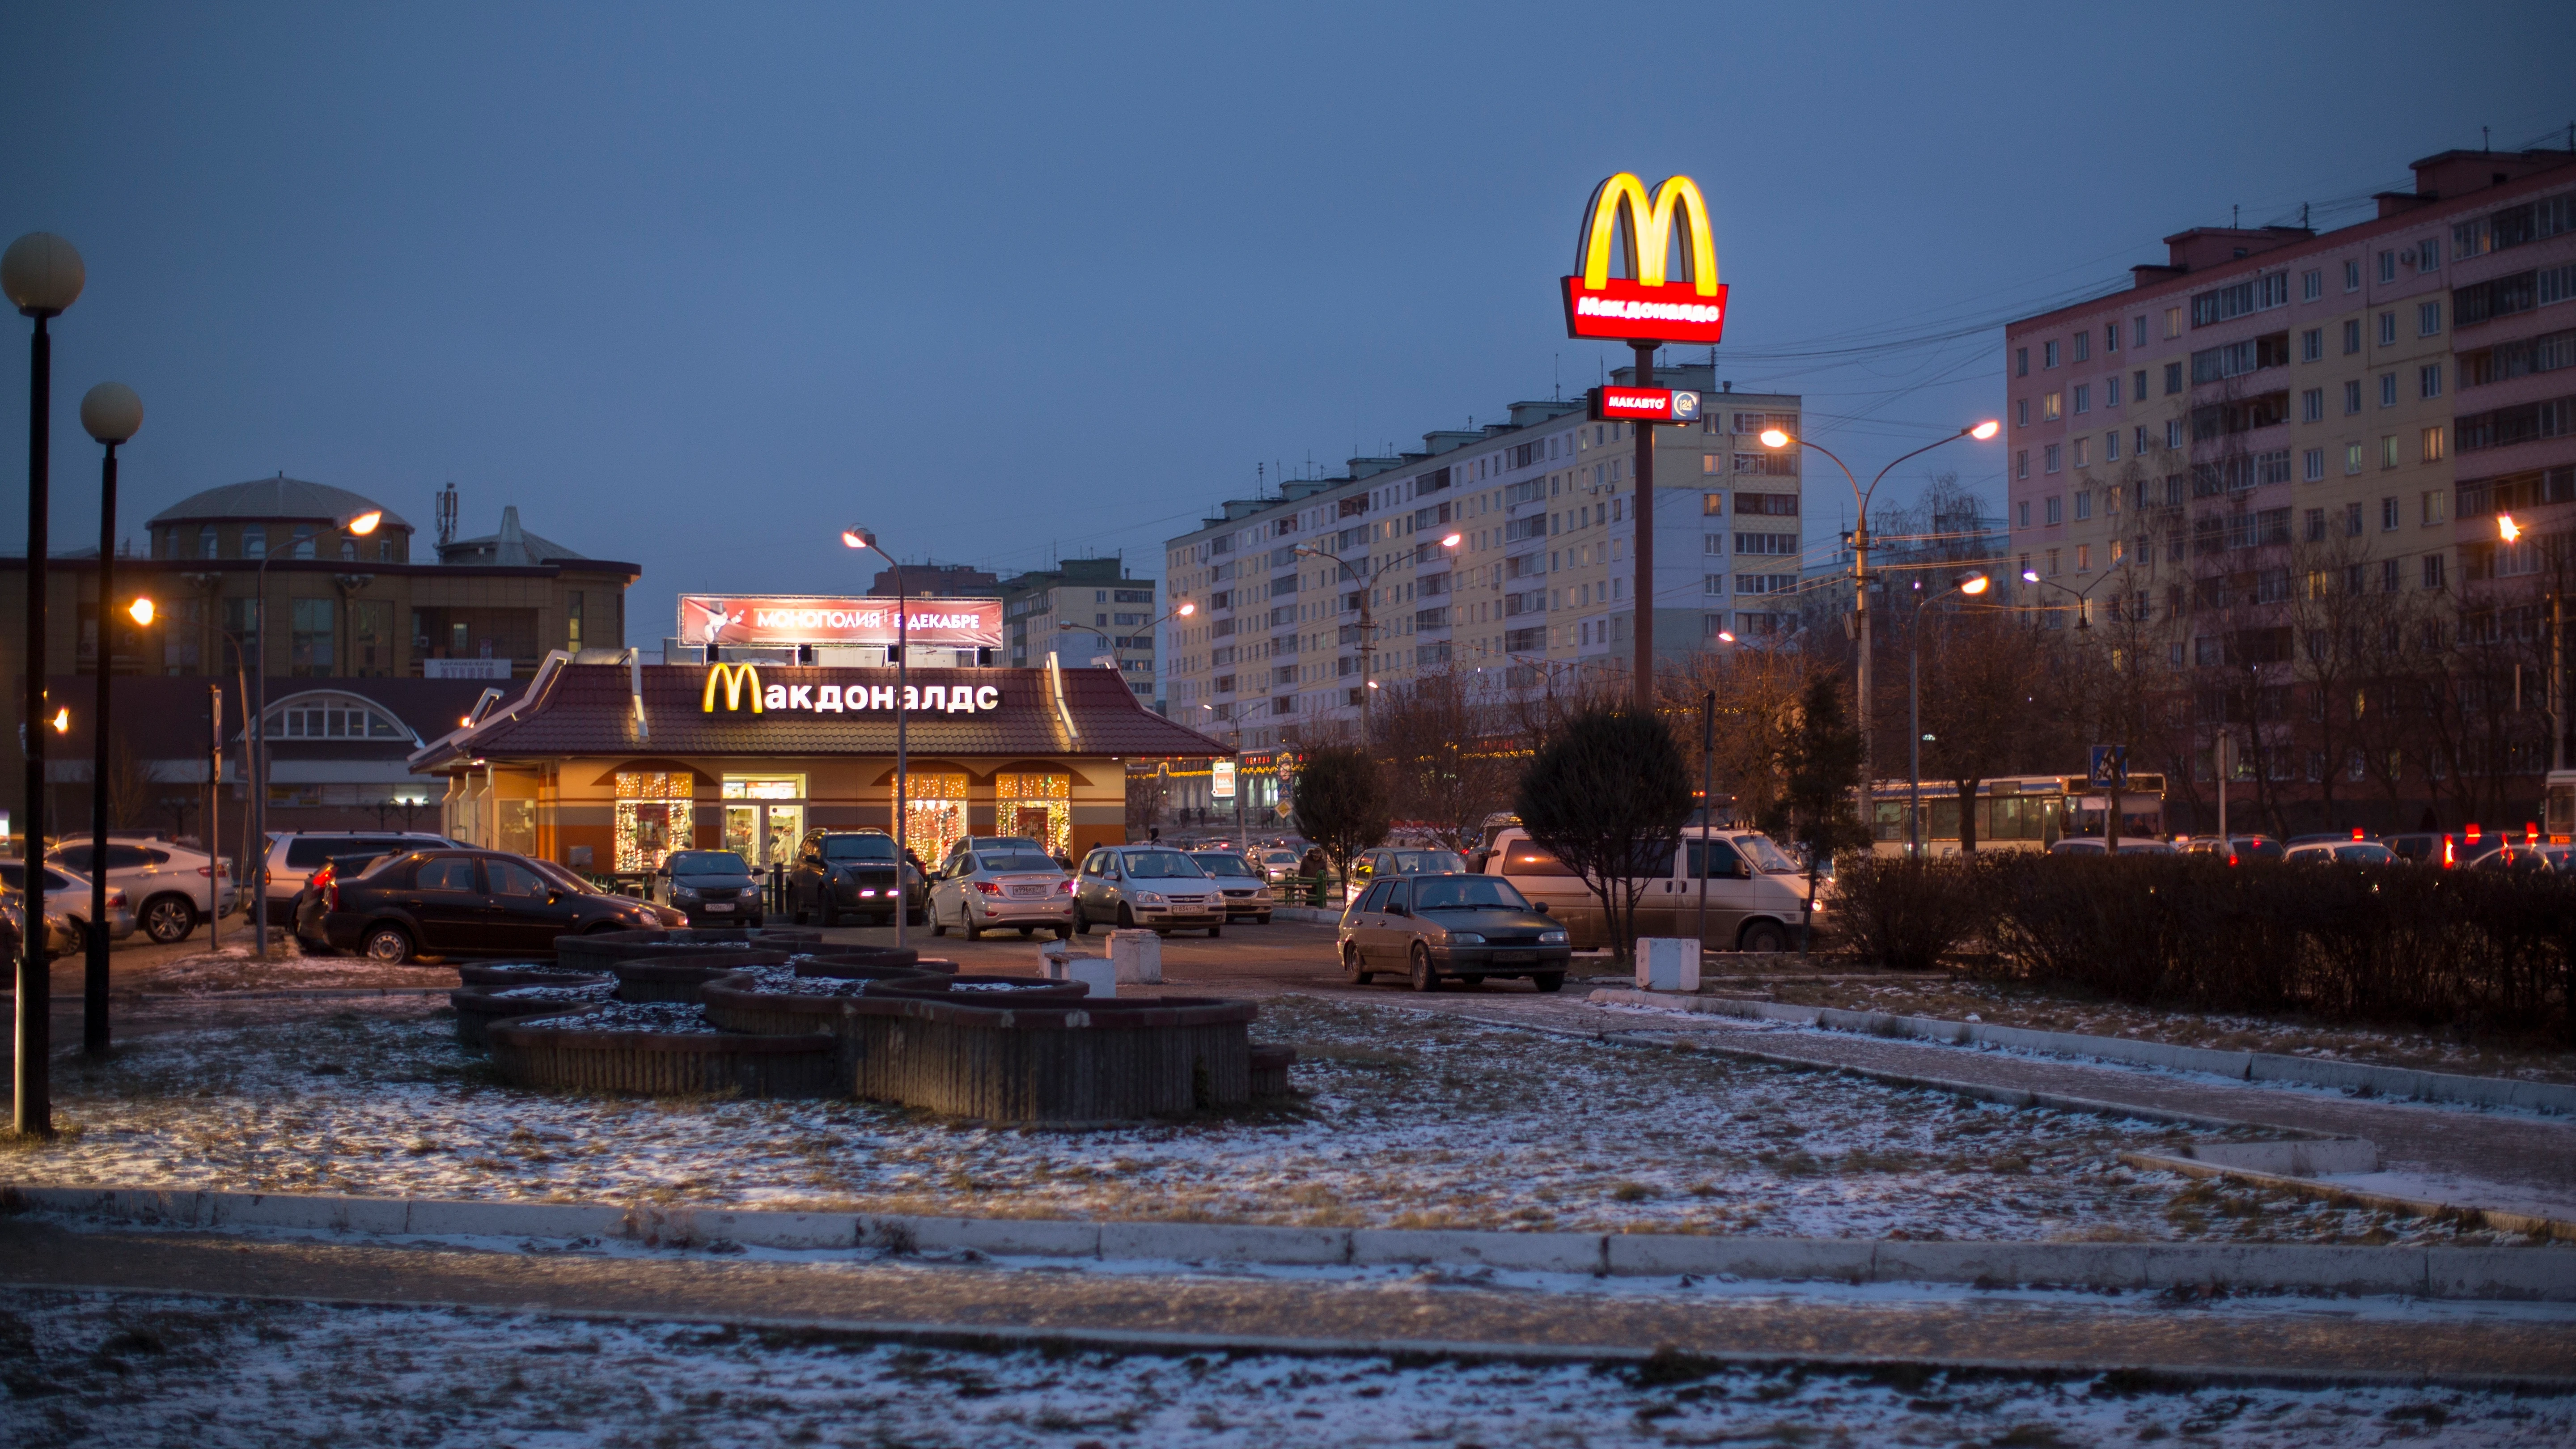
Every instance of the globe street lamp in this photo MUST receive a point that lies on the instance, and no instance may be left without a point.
(1972, 586)
(42, 276)
(1775, 438)
(356, 524)
(111, 413)
(859, 538)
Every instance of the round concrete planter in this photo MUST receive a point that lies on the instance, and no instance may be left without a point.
(989, 991)
(501, 977)
(480, 1008)
(1269, 1069)
(546, 1053)
(679, 976)
(1061, 1063)
(593, 953)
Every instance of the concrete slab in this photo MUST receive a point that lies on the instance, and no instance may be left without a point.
(1221, 1243)
(2295, 1266)
(2089, 1265)
(1526, 1252)
(1002, 1237)
(514, 1219)
(1671, 1254)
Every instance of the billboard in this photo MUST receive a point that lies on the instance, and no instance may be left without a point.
(799, 619)
(1646, 404)
(1647, 305)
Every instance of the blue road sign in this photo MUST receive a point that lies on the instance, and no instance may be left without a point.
(2110, 765)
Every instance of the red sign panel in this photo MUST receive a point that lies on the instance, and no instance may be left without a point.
(1644, 404)
(1644, 311)
(933, 623)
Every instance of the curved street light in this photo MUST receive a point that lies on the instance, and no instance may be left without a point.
(1972, 586)
(1368, 617)
(855, 537)
(112, 414)
(1776, 438)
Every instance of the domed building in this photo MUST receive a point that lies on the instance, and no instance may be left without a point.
(370, 647)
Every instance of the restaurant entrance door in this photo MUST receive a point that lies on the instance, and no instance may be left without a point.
(764, 817)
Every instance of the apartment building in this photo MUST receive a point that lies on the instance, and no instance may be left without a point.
(1080, 610)
(1341, 584)
(2274, 414)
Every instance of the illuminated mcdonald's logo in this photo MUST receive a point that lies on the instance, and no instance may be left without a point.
(738, 680)
(1647, 305)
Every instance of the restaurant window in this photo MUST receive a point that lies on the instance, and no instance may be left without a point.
(654, 817)
(1037, 804)
(934, 813)
(572, 621)
(764, 817)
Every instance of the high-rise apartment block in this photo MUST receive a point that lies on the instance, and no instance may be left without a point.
(1080, 610)
(1340, 584)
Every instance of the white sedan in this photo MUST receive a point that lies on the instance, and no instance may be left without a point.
(1006, 885)
(67, 896)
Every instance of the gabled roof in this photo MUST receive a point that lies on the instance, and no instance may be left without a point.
(590, 709)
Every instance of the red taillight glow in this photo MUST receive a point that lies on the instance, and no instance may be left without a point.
(2231, 860)
(2473, 832)
(988, 888)
(326, 884)
(2356, 832)
(1064, 887)
(2450, 853)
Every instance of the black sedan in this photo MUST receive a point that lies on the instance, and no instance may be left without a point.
(1426, 927)
(844, 873)
(711, 887)
(461, 903)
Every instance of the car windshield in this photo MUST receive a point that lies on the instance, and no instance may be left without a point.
(563, 876)
(706, 862)
(1006, 864)
(858, 847)
(1767, 857)
(1467, 893)
(1163, 865)
(1221, 864)
(1280, 857)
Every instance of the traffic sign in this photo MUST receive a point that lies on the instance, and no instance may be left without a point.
(2110, 766)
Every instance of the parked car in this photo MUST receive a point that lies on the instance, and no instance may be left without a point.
(851, 872)
(1451, 924)
(2343, 851)
(1151, 886)
(2504, 855)
(1248, 895)
(461, 902)
(1391, 860)
(710, 887)
(2234, 847)
(990, 884)
(293, 856)
(2422, 847)
(1757, 894)
(173, 888)
(2093, 845)
(13, 925)
(1278, 863)
(67, 896)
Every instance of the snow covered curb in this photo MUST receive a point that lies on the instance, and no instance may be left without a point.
(2439, 1272)
(2211, 1161)
(2395, 1082)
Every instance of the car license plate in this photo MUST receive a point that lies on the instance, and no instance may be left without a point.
(714, 908)
(1028, 892)
(1514, 958)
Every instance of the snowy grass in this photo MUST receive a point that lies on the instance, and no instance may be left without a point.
(1407, 1120)
(88, 1368)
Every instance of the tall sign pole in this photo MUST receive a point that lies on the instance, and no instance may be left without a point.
(1646, 309)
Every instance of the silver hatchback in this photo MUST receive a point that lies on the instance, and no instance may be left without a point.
(1146, 885)
(995, 885)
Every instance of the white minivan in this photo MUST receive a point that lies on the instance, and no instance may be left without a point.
(1757, 895)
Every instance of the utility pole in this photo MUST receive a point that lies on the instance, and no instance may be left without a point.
(1643, 508)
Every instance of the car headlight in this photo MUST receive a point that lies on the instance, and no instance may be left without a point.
(1465, 938)
(1551, 938)
(689, 893)
(1151, 898)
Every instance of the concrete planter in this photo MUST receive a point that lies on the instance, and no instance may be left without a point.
(480, 1008)
(503, 977)
(594, 952)
(992, 991)
(1269, 1070)
(539, 1053)
(679, 977)
(1085, 1062)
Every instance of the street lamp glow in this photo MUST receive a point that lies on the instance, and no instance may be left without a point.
(1724, 637)
(364, 523)
(1453, 540)
(2030, 576)
(141, 609)
(1976, 585)
(1985, 430)
(63, 720)
(856, 537)
(2507, 527)
(1186, 610)
(1774, 438)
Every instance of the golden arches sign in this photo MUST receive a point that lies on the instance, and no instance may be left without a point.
(737, 680)
(1647, 304)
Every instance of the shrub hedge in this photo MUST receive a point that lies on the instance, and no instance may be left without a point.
(2478, 950)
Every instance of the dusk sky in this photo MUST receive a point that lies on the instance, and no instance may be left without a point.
(696, 286)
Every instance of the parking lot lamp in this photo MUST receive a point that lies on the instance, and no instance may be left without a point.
(2511, 532)
(859, 538)
(1776, 438)
(1972, 586)
(111, 413)
(42, 276)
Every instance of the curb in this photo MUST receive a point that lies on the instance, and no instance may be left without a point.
(2497, 1218)
(2524, 1274)
(2393, 1082)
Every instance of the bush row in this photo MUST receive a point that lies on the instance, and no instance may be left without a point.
(2484, 951)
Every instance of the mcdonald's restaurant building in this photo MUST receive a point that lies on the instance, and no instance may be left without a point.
(608, 767)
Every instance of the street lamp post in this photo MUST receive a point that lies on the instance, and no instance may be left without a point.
(859, 538)
(1776, 438)
(2084, 621)
(1972, 585)
(42, 276)
(356, 524)
(1368, 616)
(2510, 532)
(111, 413)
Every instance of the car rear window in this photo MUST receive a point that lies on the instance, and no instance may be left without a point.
(1004, 864)
(1527, 859)
(307, 851)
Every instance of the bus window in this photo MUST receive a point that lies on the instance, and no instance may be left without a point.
(1945, 818)
(2009, 817)
(1888, 819)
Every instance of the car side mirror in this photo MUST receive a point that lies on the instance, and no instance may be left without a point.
(554, 897)
(1539, 906)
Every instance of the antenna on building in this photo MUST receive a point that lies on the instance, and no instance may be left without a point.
(447, 515)
(1560, 377)
(2233, 222)
(2303, 216)
(2486, 142)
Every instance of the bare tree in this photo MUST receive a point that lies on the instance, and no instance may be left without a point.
(1445, 761)
(1983, 677)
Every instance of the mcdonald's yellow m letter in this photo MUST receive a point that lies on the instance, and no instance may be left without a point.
(737, 679)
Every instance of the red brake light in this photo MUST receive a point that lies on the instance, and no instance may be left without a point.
(1064, 887)
(2231, 860)
(326, 884)
(988, 888)
(2356, 832)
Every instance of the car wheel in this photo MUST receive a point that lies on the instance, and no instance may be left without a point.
(938, 927)
(1426, 977)
(966, 922)
(1763, 936)
(77, 933)
(1126, 917)
(1549, 981)
(1081, 923)
(1355, 966)
(1261, 920)
(1215, 931)
(167, 919)
(828, 908)
(388, 945)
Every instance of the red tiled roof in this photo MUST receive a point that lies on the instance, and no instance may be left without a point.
(589, 709)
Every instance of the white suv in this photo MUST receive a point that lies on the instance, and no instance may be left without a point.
(172, 888)
(292, 859)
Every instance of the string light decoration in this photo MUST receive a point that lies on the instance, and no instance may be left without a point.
(654, 816)
(1015, 793)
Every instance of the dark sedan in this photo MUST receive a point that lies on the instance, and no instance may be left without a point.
(461, 903)
(711, 887)
(843, 873)
(1426, 927)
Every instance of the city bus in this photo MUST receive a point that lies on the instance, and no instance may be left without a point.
(2017, 812)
